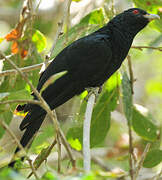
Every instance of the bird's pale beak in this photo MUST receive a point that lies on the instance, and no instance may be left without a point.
(151, 17)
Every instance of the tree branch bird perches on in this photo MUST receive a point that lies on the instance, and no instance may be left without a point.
(88, 62)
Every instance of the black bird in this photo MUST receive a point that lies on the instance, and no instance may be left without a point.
(89, 62)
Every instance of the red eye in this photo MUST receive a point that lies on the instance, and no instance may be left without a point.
(135, 12)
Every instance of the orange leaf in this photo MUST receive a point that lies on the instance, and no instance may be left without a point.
(15, 47)
(13, 35)
(24, 53)
(17, 32)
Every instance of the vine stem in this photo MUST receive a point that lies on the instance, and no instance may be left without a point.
(86, 133)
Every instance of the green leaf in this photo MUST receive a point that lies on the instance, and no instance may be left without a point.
(143, 126)
(95, 17)
(75, 143)
(73, 134)
(42, 137)
(90, 23)
(39, 39)
(22, 94)
(113, 82)
(100, 122)
(127, 97)
(49, 176)
(153, 158)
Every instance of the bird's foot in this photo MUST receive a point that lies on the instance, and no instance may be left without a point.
(93, 90)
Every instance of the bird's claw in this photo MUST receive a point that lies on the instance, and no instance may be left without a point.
(96, 91)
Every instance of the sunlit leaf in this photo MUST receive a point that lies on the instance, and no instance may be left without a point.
(49, 176)
(95, 17)
(75, 143)
(39, 39)
(113, 81)
(110, 174)
(83, 94)
(153, 158)
(1, 39)
(154, 87)
(143, 126)
(76, 0)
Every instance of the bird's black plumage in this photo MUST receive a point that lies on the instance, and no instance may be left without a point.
(89, 62)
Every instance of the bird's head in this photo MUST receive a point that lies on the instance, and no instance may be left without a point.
(137, 18)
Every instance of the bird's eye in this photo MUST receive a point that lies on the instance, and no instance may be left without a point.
(135, 11)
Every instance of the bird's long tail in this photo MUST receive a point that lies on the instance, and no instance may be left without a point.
(31, 123)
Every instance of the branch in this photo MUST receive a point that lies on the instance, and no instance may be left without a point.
(33, 169)
(147, 47)
(131, 153)
(86, 133)
(131, 73)
(24, 69)
(142, 159)
(20, 101)
(42, 159)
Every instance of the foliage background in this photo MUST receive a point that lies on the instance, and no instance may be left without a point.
(109, 131)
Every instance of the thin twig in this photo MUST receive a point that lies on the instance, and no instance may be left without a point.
(130, 73)
(131, 153)
(66, 144)
(60, 25)
(86, 133)
(20, 101)
(24, 69)
(67, 21)
(139, 166)
(33, 169)
(158, 176)
(147, 47)
(9, 56)
(37, 165)
(59, 153)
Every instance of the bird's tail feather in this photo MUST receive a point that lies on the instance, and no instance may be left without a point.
(32, 127)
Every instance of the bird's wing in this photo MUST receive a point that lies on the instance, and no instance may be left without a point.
(83, 59)
(89, 58)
